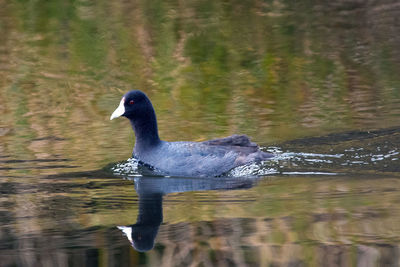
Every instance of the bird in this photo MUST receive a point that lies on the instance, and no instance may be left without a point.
(210, 158)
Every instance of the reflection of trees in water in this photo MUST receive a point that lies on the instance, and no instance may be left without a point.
(312, 65)
(330, 222)
(225, 242)
(327, 222)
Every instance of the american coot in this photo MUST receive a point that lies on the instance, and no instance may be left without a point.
(209, 158)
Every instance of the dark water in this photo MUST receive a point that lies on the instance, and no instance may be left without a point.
(315, 82)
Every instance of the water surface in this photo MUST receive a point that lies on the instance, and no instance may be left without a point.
(314, 82)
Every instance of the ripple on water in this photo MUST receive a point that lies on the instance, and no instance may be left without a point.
(335, 154)
(129, 167)
(278, 165)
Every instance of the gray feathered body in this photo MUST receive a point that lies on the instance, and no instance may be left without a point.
(209, 158)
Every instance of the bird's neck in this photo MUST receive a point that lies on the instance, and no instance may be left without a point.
(146, 131)
(150, 209)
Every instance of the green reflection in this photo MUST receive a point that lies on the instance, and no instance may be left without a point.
(275, 70)
(259, 68)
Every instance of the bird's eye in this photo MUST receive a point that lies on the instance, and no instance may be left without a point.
(131, 102)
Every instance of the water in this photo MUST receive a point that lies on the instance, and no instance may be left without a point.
(315, 83)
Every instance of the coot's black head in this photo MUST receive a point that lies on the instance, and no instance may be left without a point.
(133, 104)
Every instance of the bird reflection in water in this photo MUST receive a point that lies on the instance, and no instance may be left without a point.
(151, 190)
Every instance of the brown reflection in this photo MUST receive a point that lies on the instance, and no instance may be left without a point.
(239, 242)
(302, 221)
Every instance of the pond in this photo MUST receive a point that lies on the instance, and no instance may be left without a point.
(316, 83)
